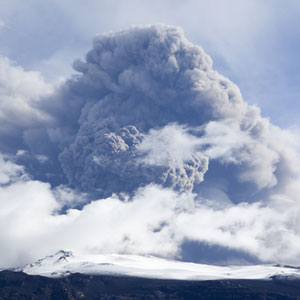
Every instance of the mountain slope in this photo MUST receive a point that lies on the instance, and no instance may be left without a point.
(19, 286)
(64, 263)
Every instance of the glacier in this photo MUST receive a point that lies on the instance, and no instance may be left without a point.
(64, 263)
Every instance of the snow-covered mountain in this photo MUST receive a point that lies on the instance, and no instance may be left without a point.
(64, 263)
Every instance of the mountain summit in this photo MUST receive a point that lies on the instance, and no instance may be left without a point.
(64, 263)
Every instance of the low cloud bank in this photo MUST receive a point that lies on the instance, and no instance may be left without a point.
(154, 221)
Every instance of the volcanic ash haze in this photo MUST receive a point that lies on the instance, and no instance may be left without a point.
(169, 142)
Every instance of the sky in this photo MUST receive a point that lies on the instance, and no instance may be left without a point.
(178, 139)
(254, 43)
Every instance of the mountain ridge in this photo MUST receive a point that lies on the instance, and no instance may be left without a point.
(63, 263)
(19, 286)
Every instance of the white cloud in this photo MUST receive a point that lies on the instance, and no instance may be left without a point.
(223, 141)
(20, 92)
(9, 171)
(171, 143)
(155, 221)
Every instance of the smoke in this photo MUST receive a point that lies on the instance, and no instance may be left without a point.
(157, 148)
(132, 82)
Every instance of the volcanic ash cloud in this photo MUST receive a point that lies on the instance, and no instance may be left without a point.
(149, 78)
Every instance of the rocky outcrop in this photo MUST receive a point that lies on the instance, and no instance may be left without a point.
(18, 286)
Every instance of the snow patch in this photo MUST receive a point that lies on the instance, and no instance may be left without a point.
(64, 263)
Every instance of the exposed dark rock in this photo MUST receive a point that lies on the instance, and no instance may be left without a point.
(19, 286)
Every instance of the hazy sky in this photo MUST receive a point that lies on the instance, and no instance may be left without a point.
(254, 43)
(153, 145)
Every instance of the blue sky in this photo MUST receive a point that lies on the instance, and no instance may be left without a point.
(254, 43)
